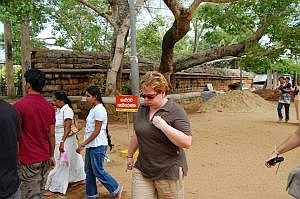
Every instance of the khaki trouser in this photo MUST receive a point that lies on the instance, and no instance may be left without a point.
(32, 179)
(143, 188)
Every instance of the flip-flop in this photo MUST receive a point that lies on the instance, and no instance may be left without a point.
(119, 194)
(48, 193)
(75, 184)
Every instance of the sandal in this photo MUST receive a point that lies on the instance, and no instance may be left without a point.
(48, 193)
(75, 184)
(119, 194)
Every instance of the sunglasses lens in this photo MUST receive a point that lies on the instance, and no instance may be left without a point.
(148, 96)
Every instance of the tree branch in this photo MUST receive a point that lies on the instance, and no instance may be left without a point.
(194, 6)
(215, 53)
(138, 5)
(175, 7)
(106, 15)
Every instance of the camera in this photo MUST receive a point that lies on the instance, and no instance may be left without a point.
(275, 160)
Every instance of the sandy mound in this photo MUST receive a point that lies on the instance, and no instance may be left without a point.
(236, 101)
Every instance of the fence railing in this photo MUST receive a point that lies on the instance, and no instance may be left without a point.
(3, 89)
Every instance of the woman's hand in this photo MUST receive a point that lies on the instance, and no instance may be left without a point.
(79, 148)
(159, 122)
(61, 147)
(52, 163)
(130, 162)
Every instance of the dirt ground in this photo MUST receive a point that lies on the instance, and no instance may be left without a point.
(226, 160)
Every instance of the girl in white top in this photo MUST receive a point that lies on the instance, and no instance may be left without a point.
(60, 177)
(96, 141)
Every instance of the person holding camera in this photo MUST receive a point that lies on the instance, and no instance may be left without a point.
(290, 143)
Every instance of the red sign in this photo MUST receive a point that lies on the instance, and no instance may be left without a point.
(127, 103)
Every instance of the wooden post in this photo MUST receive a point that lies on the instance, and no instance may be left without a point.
(25, 49)
(9, 60)
(275, 80)
(269, 79)
(241, 78)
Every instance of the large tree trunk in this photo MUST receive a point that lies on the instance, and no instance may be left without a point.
(115, 64)
(118, 17)
(275, 80)
(174, 34)
(269, 79)
(180, 27)
(9, 60)
(120, 71)
(25, 48)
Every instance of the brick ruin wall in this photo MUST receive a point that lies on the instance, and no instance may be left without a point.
(72, 71)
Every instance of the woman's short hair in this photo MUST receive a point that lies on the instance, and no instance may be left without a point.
(156, 81)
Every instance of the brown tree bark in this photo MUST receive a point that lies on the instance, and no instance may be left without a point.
(9, 59)
(179, 29)
(204, 56)
(25, 48)
(119, 19)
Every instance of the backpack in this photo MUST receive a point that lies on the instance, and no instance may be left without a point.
(293, 183)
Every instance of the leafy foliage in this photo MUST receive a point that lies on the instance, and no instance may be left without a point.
(16, 73)
(79, 28)
(231, 23)
(13, 11)
(149, 39)
(98, 80)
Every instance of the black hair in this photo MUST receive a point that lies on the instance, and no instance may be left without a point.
(281, 77)
(95, 91)
(62, 96)
(35, 78)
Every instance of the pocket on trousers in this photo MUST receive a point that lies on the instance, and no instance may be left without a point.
(28, 171)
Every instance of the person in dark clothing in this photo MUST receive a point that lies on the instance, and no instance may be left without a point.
(9, 136)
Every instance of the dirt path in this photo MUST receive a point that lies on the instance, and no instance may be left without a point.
(226, 159)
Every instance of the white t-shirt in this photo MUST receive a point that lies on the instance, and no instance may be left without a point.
(65, 112)
(96, 113)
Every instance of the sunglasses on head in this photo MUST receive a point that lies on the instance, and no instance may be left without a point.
(148, 96)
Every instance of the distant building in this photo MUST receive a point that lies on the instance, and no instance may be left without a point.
(259, 81)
